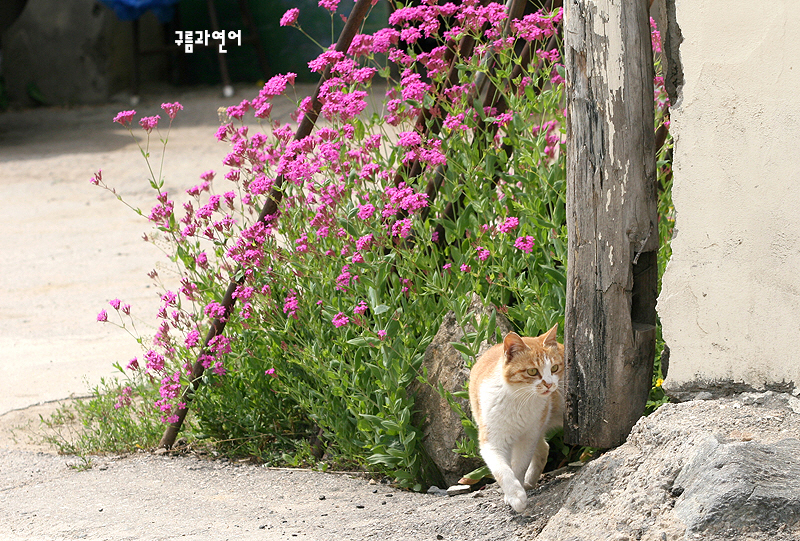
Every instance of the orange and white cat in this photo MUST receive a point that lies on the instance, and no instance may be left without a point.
(515, 398)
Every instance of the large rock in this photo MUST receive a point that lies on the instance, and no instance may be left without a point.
(707, 470)
(67, 52)
(445, 366)
(729, 488)
(59, 48)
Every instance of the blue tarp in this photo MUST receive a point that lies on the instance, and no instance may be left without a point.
(128, 10)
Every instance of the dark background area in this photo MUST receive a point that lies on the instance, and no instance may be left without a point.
(68, 52)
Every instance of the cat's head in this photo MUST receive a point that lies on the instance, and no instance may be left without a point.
(538, 362)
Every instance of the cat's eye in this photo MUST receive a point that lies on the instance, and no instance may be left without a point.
(555, 368)
(533, 372)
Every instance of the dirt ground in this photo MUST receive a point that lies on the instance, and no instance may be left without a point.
(70, 247)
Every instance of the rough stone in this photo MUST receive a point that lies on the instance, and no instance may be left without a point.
(61, 49)
(457, 490)
(436, 491)
(75, 52)
(740, 487)
(712, 470)
(441, 426)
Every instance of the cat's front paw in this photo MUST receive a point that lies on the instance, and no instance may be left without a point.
(517, 499)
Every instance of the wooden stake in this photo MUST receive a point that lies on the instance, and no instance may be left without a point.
(611, 219)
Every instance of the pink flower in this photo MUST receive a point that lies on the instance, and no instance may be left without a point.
(455, 122)
(169, 298)
(383, 39)
(290, 305)
(360, 309)
(381, 334)
(366, 211)
(215, 310)
(194, 191)
(330, 56)
(503, 119)
(409, 139)
(465, 268)
(115, 303)
(133, 364)
(343, 280)
(330, 5)
(552, 55)
(508, 225)
(192, 339)
(97, 178)
(102, 316)
(124, 117)
(155, 361)
(219, 369)
(220, 345)
(238, 111)
(535, 26)
(149, 122)
(290, 17)
(263, 111)
(340, 320)
(172, 109)
(170, 386)
(402, 228)
(410, 35)
(301, 244)
(655, 36)
(124, 399)
(270, 372)
(222, 131)
(412, 86)
(364, 242)
(525, 244)
(483, 253)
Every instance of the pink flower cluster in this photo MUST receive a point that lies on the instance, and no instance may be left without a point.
(290, 17)
(508, 225)
(655, 36)
(325, 180)
(525, 244)
(536, 26)
(340, 320)
(148, 123)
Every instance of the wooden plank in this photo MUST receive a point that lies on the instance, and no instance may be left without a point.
(611, 219)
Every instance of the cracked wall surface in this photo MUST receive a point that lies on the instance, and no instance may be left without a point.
(730, 301)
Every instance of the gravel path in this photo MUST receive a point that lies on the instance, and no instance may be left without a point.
(143, 497)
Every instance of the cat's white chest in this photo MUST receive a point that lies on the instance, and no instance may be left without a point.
(511, 411)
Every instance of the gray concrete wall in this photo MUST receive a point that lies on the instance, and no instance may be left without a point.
(74, 52)
(730, 302)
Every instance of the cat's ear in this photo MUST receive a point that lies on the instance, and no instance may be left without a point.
(513, 345)
(549, 340)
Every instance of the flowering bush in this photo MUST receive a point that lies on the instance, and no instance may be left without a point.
(390, 214)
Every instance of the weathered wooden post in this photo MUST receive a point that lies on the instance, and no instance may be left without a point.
(611, 219)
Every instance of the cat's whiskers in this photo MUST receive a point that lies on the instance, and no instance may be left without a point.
(528, 395)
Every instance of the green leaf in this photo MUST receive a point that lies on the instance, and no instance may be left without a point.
(480, 473)
(463, 349)
(359, 341)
